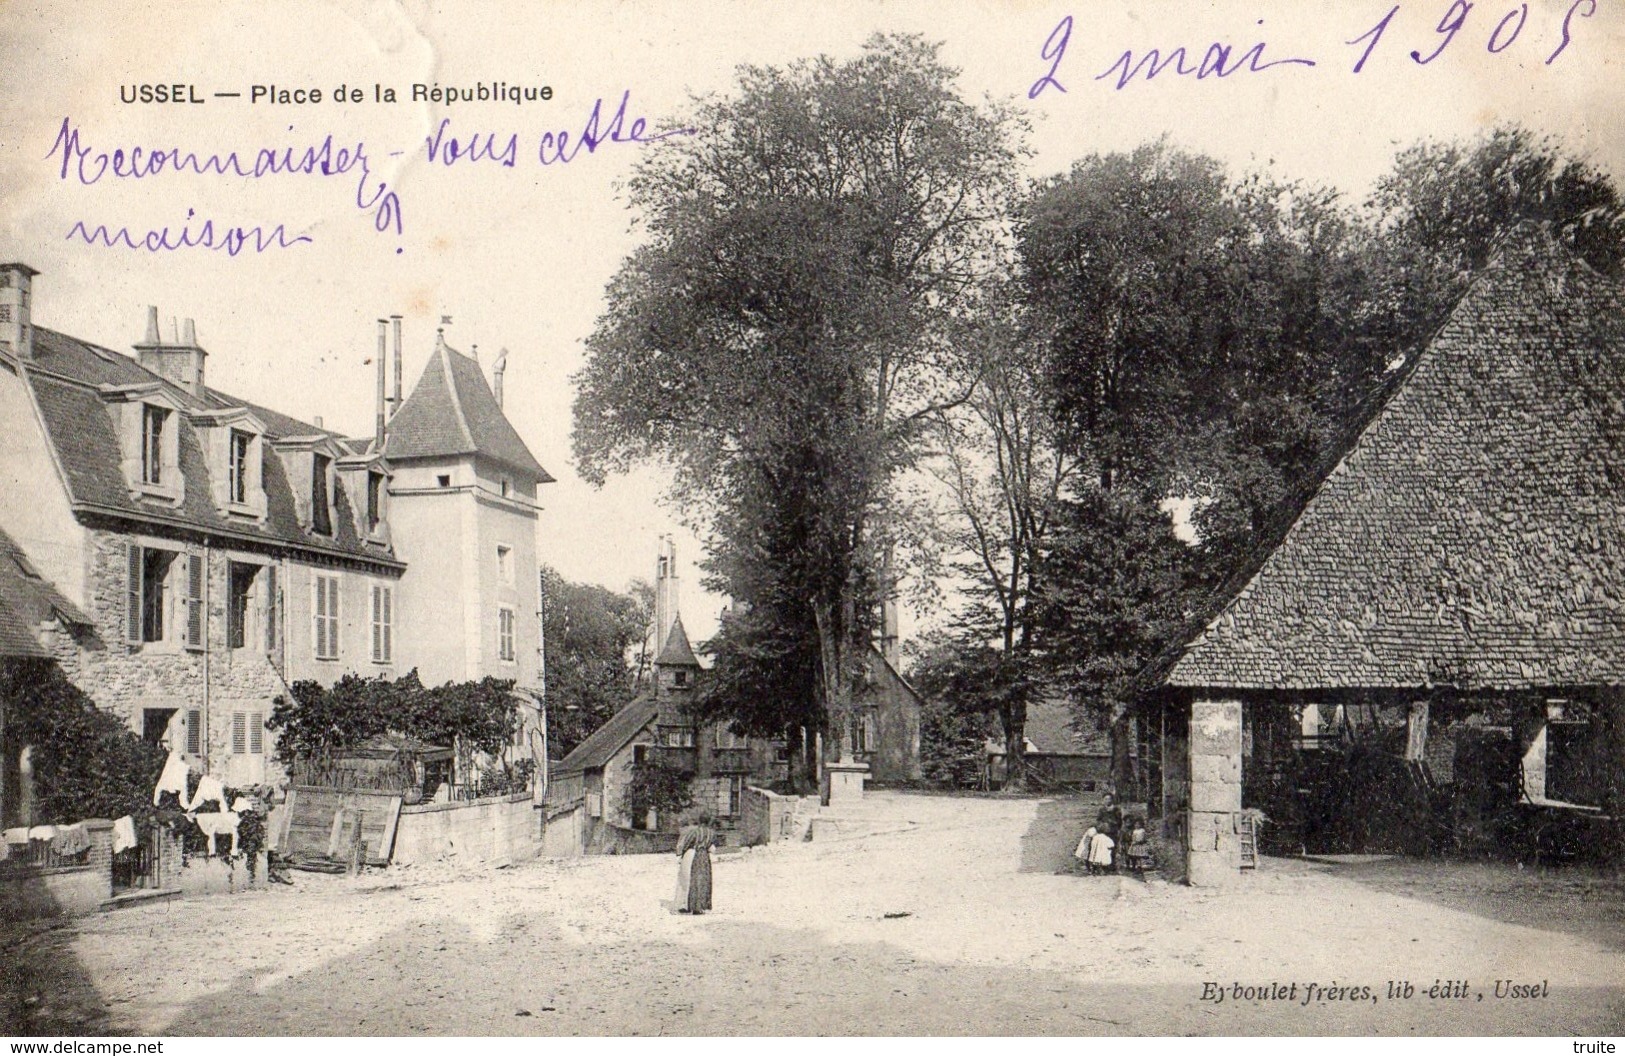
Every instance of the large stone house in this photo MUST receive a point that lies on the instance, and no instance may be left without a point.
(219, 550)
(1463, 567)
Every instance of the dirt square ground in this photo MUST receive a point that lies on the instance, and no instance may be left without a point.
(953, 921)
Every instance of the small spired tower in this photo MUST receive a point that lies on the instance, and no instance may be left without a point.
(676, 666)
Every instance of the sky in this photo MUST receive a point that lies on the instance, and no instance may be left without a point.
(519, 256)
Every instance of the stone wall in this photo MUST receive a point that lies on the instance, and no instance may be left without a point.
(767, 817)
(218, 681)
(494, 829)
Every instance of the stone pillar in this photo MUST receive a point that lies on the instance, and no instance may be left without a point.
(843, 782)
(1213, 850)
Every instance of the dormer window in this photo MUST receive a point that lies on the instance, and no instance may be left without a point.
(154, 452)
(321, 511)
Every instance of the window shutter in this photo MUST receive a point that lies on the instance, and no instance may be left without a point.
(132, 622)
(270, 608)
(389, 624)
(256, 733)
(194, 732)
(333, 616)
(319, 615)
(377, 624)
(239, 733)
(194, 601)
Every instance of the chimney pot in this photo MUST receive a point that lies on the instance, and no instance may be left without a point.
(189, 335)
(318, 421)
(152, 337)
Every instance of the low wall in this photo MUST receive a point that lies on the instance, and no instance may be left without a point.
(611, 839)
(199, 875)
(565, 832)
(765, 816)
(494, 829)
(28, 892)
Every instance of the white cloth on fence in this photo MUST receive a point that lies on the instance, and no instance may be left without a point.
(17, 835)
(42, 832)
(223, 823)
(209, 790)
(123, 834)
(71, 840)
(1100, 849)
(173, 779)
(242, 804)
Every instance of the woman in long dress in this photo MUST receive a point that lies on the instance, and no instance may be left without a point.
(694, 868)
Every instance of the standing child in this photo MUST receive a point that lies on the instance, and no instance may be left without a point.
(1100, 854)
(1081, 852)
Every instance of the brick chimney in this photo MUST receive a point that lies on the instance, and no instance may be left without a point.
(16, 326)
(496, 376)
(179, 361)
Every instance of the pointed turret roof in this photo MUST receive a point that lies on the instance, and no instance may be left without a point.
(677, 652)
(1474, 535)
(452, 411)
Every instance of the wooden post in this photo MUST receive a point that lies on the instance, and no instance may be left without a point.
(356, 845)
(1416, 731)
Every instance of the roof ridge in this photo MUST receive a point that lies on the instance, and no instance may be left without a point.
(446, 352)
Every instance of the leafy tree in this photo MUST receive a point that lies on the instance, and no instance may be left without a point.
(87, 763)
(591, 634)
(1005, 473)
(665, 790)
(785, 331)
(954, 717)
(316, 721)
(1449, 202)
(1115, 596)
(1210, 341)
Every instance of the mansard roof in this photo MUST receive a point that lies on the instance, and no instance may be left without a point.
(68, 378)
(452, 412)
(1474, 535)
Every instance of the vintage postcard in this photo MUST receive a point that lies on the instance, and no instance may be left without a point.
(814, 518)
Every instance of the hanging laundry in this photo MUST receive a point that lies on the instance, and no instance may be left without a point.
(71, 840)
(123, 834)
(242, 805)
(173, 779)
(222, 824)
(42, 832)
(15, 836)
(209, 790)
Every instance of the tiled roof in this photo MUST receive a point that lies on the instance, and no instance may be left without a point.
(17, 638)
(27, 600)
(677, 652)
(1474, 535)
(64, 375)
(601, 745)
(452, 411)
